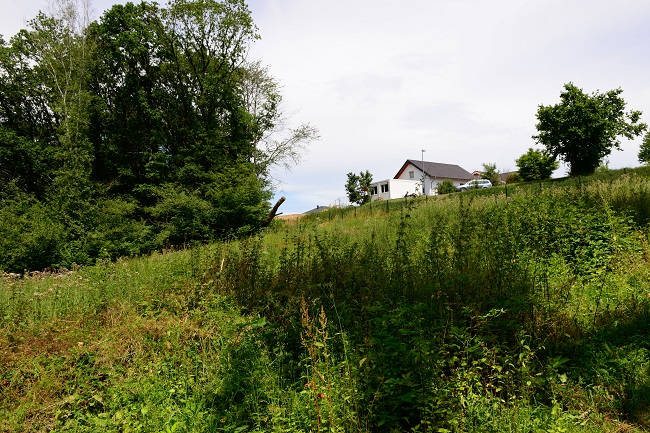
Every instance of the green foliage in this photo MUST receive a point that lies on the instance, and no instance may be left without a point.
(358, 187)
(446, 187)
(582, 129)
(644, 151)
(147, 123)
(486, 312)
(513, 177)
(491, 173)
(30, 235)
(536, 165)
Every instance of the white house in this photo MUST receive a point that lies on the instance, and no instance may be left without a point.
(410, 177)
(394, 188)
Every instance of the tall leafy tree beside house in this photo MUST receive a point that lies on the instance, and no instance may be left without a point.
(358, 187)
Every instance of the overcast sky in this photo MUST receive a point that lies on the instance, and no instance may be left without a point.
(461, 79)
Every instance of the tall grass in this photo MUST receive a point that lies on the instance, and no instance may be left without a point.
(517, 310)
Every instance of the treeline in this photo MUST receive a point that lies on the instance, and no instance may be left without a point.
(144, 129)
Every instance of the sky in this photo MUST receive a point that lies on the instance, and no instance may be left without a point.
(460, 79)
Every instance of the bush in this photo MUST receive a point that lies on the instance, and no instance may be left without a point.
(30, 236)
(513, 177)
(446, 187)
(536, 165)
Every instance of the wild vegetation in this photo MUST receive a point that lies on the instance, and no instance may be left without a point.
(144, 129)
(520, 309)
(536, 165)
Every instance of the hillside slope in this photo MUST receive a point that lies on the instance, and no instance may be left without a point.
(518, 310)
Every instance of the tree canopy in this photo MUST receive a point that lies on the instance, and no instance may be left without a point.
(644, 151)
(146, 128)
(582, 129)
(536, 165)
(358, 187)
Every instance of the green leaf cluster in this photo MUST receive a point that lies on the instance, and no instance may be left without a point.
(644, 151)
(446, 187)
(536, 165)
(583, 129)
(148, 120)
(358, 187)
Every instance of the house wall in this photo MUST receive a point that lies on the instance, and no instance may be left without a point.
(430, 184)
(397, 188)
(409, 181)
(417, 178)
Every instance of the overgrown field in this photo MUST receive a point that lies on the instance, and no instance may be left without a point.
(526, 310)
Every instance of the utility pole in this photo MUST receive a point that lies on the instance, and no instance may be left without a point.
(424, 190)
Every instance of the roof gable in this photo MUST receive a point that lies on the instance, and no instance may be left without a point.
(436, 170)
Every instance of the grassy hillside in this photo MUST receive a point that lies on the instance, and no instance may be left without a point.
(524, 309)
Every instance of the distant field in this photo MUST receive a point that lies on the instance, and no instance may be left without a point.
(293, 216)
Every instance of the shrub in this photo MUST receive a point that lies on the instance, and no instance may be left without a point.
(536, 165)
(446, 187)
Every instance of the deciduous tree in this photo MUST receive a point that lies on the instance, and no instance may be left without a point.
(536, 165)
(147, 127)
(358, 187)
(582, 129)
(275, 143)
(644, 151)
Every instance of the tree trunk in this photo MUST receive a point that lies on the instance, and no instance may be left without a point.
(273, 212)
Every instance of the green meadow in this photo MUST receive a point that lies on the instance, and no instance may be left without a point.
(523, 308)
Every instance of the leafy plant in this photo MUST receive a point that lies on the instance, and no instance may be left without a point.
(644, 151)
(446, 187)
(582, 129)
(358, 187)
(536, 165)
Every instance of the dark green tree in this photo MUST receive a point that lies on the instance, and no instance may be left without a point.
(644, 151)
(513, 177)
(145, 128)
(358, 187)
(582, 129)
(536, 165)
(128, 119)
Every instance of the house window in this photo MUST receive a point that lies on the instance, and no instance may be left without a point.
(384, 187)
(373, 190)
(411, 175)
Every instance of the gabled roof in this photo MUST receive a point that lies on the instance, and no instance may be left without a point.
(437, 169)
